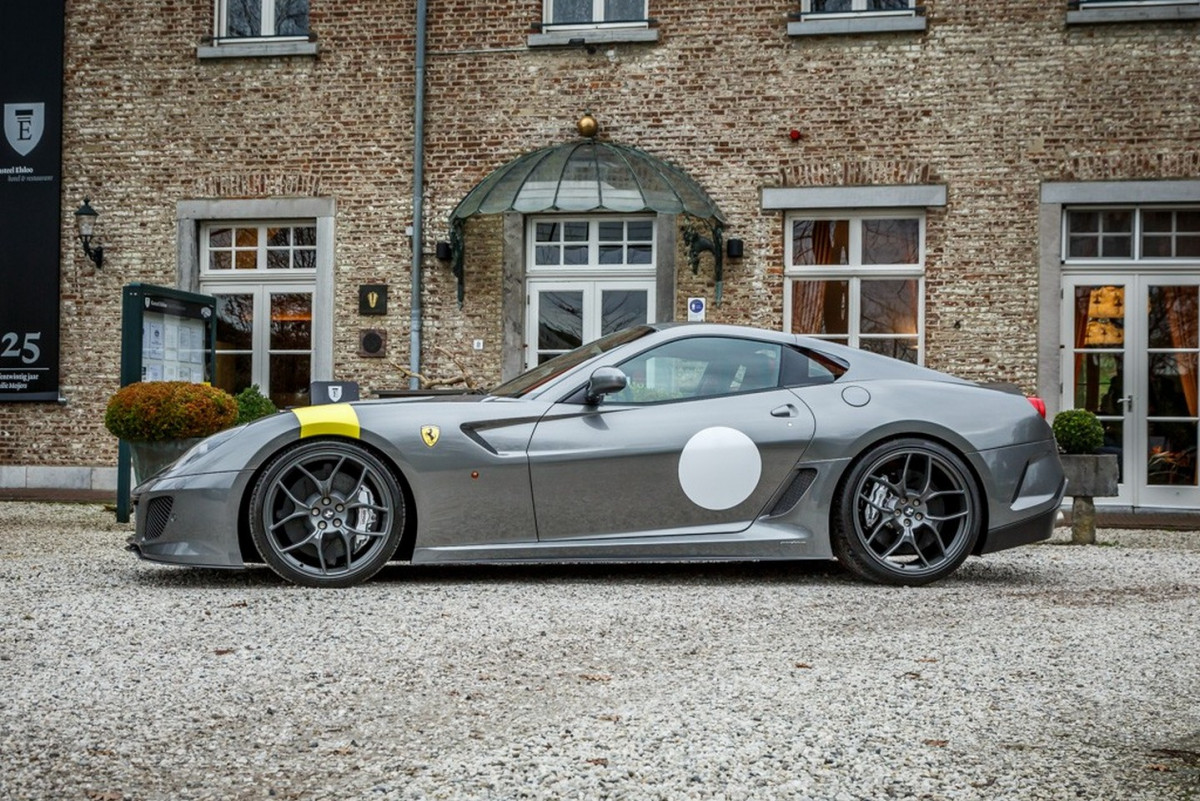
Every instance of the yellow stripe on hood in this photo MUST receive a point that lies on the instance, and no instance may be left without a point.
(337, 419)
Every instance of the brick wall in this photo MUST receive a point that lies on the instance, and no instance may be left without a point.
(991, 100)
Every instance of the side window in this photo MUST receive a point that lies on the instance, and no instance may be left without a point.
(700, 367)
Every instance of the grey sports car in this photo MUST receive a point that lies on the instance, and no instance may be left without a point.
(656, 443)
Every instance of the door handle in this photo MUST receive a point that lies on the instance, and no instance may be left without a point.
(786, 410)
(1127, 402)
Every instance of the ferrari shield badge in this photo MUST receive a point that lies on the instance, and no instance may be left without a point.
(430, 435)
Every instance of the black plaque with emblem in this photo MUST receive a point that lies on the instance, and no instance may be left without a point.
(372, 299)
(31, 77)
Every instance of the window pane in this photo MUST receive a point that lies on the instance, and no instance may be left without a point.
(1083, 222)
(1156, 247)
(235, 322)
(624, 10)
(820, 242)
(278, 237)
(1099, 317)
(291, 17)
(575, 232)
(305, 235)
(1172, 454)
(243, 17)
(546, 232)
(304, 260)
(1116, 247)
(233, 372)
(1119, 221)
(1171, 316)
(560, 320)
(612, 254)
(247, 237)
(889, 307)
(568, 11)
(1083, 247)
(218, 260)
(547, 254)
(290, 377)
(891, 241)
(246, 259)
(639, 254)
(1172, 385)
(887, 5)
(220, 237)
(291, 321)
(1187, 247)
(643, 231)
(278, 260)
(820, 307)
(830, 5)
(1099, 382)
(1159, 221)
(612, 231)
(622, 308)
(575, 254)
(898, 348)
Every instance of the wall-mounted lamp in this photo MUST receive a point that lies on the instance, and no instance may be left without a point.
(85, 217)
(734, 248)
(444, 252)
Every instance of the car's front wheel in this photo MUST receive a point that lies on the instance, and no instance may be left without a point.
(907, 513)
(326, 513)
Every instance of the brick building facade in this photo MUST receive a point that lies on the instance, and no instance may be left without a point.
(971, 131)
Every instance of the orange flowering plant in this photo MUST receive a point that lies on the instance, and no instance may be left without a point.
(152, 411)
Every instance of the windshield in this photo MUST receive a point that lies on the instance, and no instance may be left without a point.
(527, 382)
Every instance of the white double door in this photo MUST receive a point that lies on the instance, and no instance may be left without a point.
(566, 313)
(1130, 348)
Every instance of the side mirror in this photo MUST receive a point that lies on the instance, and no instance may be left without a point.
(605, 381)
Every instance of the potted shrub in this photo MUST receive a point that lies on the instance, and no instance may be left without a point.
(252, 404)
(162, 419)
(1080, 434)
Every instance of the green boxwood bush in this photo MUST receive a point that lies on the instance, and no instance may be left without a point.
(1078, 431)
(252, 404)
(152, 411)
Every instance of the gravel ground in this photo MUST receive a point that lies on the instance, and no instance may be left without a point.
(1048, 672)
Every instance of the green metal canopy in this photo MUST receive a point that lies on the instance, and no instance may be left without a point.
(588, 176)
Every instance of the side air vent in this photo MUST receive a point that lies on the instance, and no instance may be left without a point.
(795, 491)
(158, 514)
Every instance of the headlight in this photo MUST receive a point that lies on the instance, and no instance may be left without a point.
(205, 447)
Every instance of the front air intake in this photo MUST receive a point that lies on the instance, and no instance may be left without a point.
(158, 514)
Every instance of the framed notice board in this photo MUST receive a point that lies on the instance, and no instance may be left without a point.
(166, 335)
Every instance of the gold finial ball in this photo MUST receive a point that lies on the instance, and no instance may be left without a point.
(588, 126)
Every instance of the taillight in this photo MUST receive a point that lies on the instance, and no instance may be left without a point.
(1038, 404)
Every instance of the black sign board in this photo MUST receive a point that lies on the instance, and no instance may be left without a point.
(31, 76)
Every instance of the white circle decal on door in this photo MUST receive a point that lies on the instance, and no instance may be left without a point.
(719, 468)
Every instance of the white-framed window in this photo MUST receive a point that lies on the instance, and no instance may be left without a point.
(590, 13)
(1131, 233)
(608, 244)
(857, 6)
(858, 279)
(264, 277)
(252, 19)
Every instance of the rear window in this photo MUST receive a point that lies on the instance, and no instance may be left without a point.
(805, 368)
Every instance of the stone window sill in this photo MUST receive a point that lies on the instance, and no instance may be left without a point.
(257, 49)
(1094, 13)
(592, 36)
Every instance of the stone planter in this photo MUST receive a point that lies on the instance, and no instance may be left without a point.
(1089, 475)
(151, 457)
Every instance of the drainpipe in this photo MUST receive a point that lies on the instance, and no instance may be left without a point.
(418, 204)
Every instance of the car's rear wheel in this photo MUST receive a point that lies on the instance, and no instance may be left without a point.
(907, 513)
(326, 513)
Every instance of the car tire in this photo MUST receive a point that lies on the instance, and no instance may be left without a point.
(327, 513)
(908, 513)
